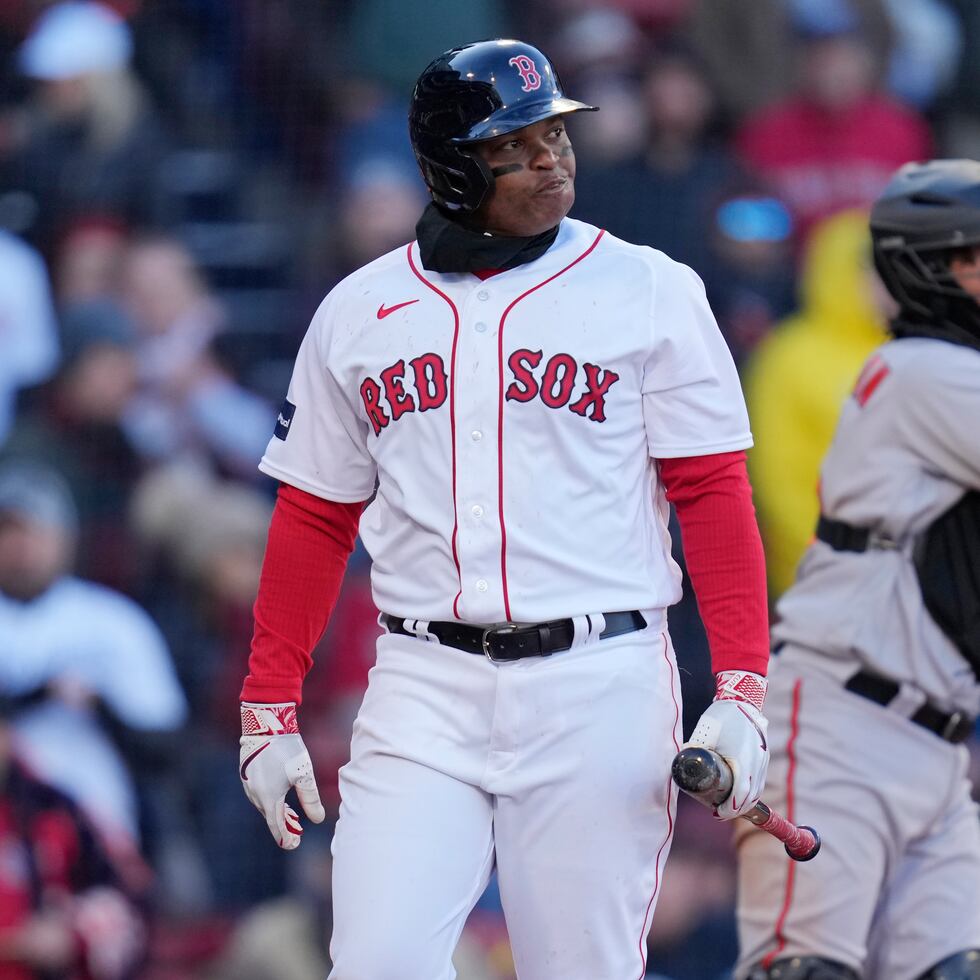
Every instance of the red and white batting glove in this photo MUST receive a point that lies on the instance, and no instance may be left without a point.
(733, 726)
(273, 759)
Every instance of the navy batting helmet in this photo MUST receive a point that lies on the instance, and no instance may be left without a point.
(477, 92)
(925, 213)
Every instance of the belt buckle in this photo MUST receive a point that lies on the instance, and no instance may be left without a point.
(952, 724)
(492, 630)
(879, 541)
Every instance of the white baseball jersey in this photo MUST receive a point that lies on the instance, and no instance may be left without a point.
(905, 450)
(896, 887)
(510, 424)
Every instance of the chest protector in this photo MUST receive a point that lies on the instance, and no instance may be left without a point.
(947, 561)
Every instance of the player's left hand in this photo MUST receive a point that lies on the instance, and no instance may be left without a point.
(733, 726)
(272, 760)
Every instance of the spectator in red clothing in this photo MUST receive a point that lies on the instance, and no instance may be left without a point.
(63, 910)
(88, 260)
(834, 143)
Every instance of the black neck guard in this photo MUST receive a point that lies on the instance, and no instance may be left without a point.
(446, 245)
(907, 326)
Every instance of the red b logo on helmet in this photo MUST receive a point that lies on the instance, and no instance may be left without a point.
(529, 72)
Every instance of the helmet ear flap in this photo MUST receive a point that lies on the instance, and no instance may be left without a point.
(460, 181)
(920, 280)
(907, 278)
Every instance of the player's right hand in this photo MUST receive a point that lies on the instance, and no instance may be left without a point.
(272, 760)
(733, 726)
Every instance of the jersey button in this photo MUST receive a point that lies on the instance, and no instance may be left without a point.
(480, 327)
(483, 295)
(477, 510)
(481, 585)
(476, 435)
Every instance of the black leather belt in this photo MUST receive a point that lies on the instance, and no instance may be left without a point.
(842, 536)
(512, 641)
(953, 728)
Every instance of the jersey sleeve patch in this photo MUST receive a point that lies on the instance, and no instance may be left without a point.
(284, 420)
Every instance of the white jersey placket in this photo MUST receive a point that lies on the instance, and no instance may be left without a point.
(477, 383)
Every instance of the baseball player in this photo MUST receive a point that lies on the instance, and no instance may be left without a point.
(519, 395)
(878, 640)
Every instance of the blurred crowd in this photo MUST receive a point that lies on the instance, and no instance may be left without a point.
(181, 181)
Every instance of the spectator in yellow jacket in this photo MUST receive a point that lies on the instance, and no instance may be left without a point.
(798, 377)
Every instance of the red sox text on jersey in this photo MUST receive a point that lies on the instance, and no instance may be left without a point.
(449, 407)
(388, 400)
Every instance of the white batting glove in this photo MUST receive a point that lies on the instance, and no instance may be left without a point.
(273, 759)
(733, 726)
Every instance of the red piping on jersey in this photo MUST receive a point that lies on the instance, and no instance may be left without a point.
(452, 415)
(500, 418)
(671, 796)
(794, 731)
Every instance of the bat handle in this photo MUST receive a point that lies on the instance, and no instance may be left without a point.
(708, 778)
(802, 843)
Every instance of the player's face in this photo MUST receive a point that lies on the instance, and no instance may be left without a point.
(32, 556)
(965, 268)
(534, 179)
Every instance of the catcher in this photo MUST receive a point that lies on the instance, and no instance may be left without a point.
(876, 682)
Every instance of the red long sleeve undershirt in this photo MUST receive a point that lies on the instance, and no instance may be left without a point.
(724, 557)
(310, 540)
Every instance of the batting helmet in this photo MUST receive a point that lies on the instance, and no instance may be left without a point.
(477, 92)
(926, 212)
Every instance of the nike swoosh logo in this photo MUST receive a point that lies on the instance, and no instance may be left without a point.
(245, 764)
(736, 806)
(382, 312)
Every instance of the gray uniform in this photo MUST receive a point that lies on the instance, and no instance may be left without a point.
(897, 884)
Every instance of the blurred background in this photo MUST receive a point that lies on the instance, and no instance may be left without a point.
(181, 181)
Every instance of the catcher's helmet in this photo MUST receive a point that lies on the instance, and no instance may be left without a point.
(472, 93)
(926, 212)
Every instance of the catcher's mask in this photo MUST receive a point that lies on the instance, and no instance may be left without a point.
(472, 93)
(925, 214)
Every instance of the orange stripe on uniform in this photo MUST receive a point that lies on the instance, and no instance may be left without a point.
(794, 730)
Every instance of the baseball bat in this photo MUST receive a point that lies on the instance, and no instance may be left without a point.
(708, 778)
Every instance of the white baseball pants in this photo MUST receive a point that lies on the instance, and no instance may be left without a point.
(896, 885)
(556, 770)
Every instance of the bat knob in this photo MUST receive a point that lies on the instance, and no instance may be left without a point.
(812, 852)
(695, 770)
